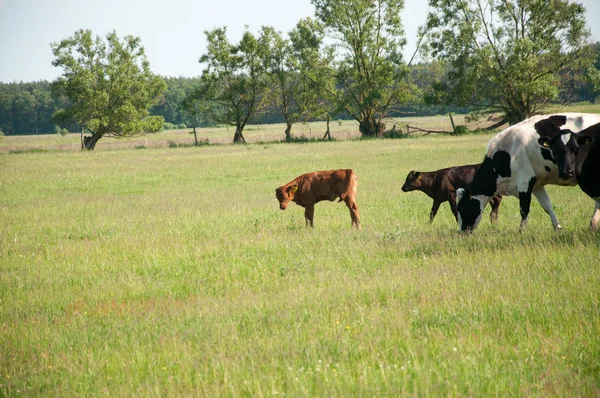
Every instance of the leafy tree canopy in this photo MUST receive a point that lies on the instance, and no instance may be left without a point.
(109, 85)
(235, 87)
(507, 55)
(300, 70)
(368, 39)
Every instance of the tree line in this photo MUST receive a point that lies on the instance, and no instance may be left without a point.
(478, 56)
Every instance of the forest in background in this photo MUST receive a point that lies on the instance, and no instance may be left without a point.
(26, 107)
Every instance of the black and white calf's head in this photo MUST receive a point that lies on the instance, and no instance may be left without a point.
(470, 209)
(471, 202)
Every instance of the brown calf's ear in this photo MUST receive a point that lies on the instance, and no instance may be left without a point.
(293, 189)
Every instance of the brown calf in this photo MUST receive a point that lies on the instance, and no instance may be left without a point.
(441, 186)
(311, 188)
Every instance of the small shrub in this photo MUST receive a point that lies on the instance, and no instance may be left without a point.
(204, 142)
(140, 147)
(460, 130)
(172, 144)
(64, 132)
(169, 126)
(57, 130)
(32, 150)
(340, 122)
(394, 133)
(304, 140)
(182, 126)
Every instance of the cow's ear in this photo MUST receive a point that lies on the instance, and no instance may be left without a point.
(584, 140)
(544, 141)
(418, 175)
(293, 189)
(548, 127)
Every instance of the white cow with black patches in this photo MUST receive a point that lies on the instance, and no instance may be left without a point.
(516, 164)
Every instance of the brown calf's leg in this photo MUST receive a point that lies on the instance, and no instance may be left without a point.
(353, 212)
(495, 203)
(434, 210)
(309, 212)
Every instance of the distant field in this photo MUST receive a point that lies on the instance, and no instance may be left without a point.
(171, 271)
(340, 130)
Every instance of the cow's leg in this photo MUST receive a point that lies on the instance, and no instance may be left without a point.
(353, 207)
(309, 212)
(525, 189)
(542, 197)
(495, 203)
(595, 223)
(434, 210)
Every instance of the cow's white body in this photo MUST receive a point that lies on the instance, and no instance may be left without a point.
(527, 165)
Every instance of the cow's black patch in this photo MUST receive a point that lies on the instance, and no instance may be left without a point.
(502, 163)
(525, 198)
(547, 154)
(548, 169)
(485, 179)
(470, 210)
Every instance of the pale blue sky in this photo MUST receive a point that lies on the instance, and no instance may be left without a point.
(172, 32)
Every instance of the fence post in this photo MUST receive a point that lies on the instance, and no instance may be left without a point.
(452, 121)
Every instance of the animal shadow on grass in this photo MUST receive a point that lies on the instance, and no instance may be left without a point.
(499, 240)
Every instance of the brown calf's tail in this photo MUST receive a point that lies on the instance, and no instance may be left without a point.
(352, 186)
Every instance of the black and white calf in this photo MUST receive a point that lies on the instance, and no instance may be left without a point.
(576, 154)
(517, 165)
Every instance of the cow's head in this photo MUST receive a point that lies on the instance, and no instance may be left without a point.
(470, 209)
(285, 194)
(413, 181)
(562, 143)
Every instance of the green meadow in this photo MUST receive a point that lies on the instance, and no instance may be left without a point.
(171, 271)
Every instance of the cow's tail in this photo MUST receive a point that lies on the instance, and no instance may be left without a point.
(352, 186)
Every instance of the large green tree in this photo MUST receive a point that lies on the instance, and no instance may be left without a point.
(301, 74)
(505, 55)
(368, 38)
(109, 86)
(235, 87)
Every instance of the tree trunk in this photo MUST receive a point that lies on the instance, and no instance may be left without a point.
(370, 128)
(327, 133)
(288, 131)
(195, 136)
(515, 116)
(367, 127)
(89, 143)
(238, 137)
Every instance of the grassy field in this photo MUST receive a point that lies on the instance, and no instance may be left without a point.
(171, 271)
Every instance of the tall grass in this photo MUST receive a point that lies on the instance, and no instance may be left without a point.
(171, 271)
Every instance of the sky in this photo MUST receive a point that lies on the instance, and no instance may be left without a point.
(172, 32)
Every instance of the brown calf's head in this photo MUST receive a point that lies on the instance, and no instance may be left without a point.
(413, 181)
(284, 194)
